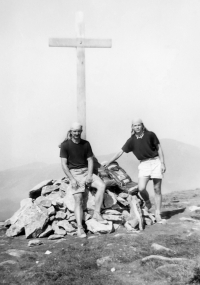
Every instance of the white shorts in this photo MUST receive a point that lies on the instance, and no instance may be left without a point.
(150, 168)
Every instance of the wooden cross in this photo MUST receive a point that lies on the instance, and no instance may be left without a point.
(80, 43)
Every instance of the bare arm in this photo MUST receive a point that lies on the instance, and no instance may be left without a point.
(115, 157)
(90, 170)
(162, 159)
(68, 173)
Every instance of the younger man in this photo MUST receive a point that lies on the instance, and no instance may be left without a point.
(146, 147)
(77, 163)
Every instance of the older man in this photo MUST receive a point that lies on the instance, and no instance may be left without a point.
(77, 163)
(146, 147)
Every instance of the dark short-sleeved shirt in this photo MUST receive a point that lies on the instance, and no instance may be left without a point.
(143, 148)
(76, 154)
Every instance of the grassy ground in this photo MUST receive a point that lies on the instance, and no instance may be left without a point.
(74, 261)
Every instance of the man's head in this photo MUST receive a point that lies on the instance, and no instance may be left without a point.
(137, 125)
(76, 130)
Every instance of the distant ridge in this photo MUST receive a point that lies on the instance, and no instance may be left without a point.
(183, 173)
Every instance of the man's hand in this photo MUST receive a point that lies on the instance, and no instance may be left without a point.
(105, 163)
(163, 167)
(74, 184)
(88, 180)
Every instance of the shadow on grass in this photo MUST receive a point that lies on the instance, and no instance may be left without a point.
(168, 214)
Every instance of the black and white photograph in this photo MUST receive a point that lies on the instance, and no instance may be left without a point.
(100, 142)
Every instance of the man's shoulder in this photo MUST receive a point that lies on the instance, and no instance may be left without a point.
(150, 133)
(84, 142)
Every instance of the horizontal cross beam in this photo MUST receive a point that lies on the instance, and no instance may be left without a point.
(80, 42)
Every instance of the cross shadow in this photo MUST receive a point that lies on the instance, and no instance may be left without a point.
(169, 213)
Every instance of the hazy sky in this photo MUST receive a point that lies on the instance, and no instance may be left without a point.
(151, 71)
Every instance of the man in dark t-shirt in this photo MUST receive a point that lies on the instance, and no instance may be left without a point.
(77, 163)
(146, 147)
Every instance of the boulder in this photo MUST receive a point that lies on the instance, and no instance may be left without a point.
(97, 227)
(60, 215)
(51, 218)
(112, 212)
(123, 195)
(36, 190)
(56, 200)
(25, 204)
(51, 211)
(60, 231)
(53, 237)
(44, 202)
(109, 199)
(17, 220)
(34, 242)
(46, 231)
(34, 222)
(66, 226)
(48, 189)
(122, 201)
(116, 218)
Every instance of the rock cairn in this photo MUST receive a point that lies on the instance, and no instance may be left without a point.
(49, 212)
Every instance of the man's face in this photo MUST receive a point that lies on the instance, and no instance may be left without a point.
(76, 134)
(137, 127)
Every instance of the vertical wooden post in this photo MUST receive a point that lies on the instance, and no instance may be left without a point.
(81, 94)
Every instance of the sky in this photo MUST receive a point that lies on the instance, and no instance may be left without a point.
(152, 71)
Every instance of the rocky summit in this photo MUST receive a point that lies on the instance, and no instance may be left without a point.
(49, 212)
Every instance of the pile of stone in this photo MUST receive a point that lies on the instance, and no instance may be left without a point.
(49, 212)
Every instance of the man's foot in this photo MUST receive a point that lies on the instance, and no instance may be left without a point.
(97, 216)
(81, 233)
(159, 220)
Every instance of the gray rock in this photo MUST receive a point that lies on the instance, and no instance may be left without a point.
(159, 247)
(103, 260)
(110, 199)
(123, 195)
(25, 204)
(112, 212)
(34, 242)
(97, 227)
(15, 229)
(115, 218)
(60, 215)
(16, 252)
(36, 190)
(52, 218)
(8, 262)
(56, 199)
(122, 201)
(46, 232)
(53, 237)
(7, 223)
(66, 226)
(43, 201)
(34, 222)
(60, 231)
(71, 218)
(48, 189)
(51, 211)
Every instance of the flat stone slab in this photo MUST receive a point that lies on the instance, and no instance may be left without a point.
(36, 190)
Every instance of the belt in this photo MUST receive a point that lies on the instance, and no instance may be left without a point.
(149, 158)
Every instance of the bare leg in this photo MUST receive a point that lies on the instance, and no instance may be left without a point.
(78, 211)
(100, 186)
(142, 183)
(158, 197)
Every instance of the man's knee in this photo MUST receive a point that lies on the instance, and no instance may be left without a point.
(78, 199)
(157, 188)
(99, 185)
